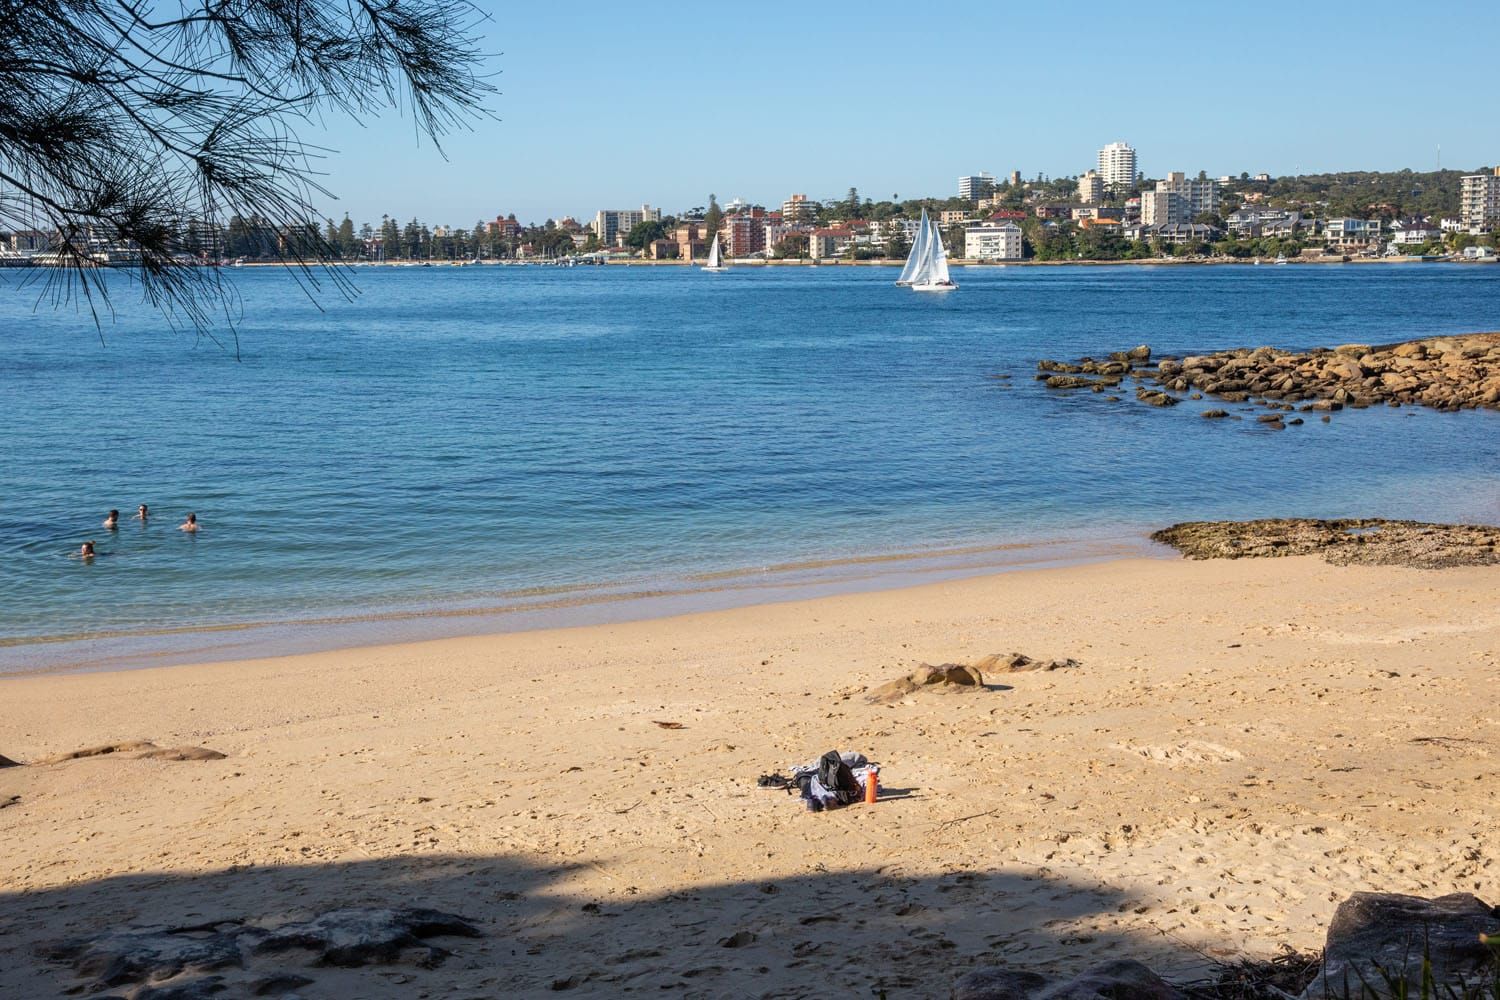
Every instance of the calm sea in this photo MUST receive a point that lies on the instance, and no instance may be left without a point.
(481, 440)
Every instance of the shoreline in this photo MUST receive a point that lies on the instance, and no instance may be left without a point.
(591, 604)
(1237, 746)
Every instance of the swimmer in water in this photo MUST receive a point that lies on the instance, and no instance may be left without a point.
(112, 522)
(86, 551)
(191, 524)
(141, 513)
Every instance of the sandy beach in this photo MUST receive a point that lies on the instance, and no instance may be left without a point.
(1242, 745)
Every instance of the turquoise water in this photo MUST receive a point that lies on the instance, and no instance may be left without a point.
(478, 438)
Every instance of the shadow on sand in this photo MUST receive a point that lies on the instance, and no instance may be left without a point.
(845, 933)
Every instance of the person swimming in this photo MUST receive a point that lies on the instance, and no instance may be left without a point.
(86, 551)
(112, 522)
(141, 513)
(191, 524)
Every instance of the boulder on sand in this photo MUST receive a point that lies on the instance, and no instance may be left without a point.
(945, 675)
(1122, 979)
(1379, 935)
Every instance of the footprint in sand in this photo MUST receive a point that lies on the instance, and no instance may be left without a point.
(1186, 752)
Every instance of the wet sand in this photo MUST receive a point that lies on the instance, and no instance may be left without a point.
(1244, 744)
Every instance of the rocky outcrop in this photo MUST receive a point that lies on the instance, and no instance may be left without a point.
(1350, 541)
(138, 750)
(945, 675)
(201, 961)
(354, 937)
(1442, 373)
(1016, 663)
(1118, 980)
(1376, 937)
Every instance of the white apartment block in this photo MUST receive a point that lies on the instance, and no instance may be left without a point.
(992, 241)
(1091, 188)
(975, 186)
(612, 224)
(1479, 202)
(1117, 166)
(1178, 199)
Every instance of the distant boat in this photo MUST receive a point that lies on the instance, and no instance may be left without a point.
(713, 256)
(926, 268)
(1281, 258)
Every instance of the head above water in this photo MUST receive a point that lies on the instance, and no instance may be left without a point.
(114, 515)
(141, 511)
(192, 519)
(86, 550)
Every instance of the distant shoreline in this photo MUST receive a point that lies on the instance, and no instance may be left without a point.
(955, 262)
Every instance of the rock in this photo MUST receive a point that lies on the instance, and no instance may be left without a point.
(282, 982)
(1295, 421)
(1121, 979)
(1214, 414)
(127, 746)
(200, 988)
(181, 753)
(1341, 541)
(1352, 350)
(1015, 663)
(1141, 352)
(360, 936)
(993, 983)
(140, 750)
(1168, 368)
(1154, 397)
(737, 940)
(1385, 932)
(926, 675)
(1067, 382)
(147, 954)
(7, 762)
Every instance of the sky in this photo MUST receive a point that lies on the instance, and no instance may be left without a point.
(612, 105)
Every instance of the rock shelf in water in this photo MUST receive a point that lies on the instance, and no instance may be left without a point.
(1343, 542)
(1442, 373)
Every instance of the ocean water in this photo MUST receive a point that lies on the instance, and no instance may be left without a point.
(482, 439)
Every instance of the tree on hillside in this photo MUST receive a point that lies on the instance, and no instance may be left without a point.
(119, 121)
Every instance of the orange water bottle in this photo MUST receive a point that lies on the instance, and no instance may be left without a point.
(872, 783)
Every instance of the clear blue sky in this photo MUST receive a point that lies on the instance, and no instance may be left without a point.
(608, 105)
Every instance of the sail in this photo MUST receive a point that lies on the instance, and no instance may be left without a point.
(918, 248)
(937, 274)
(713, 252)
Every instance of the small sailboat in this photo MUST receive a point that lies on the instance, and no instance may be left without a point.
(926, 268)
(1281, 258)
(713, 263)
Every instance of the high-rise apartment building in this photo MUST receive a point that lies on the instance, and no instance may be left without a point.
(1091, 188)
(1178, 198)
(798, 208)
(1117, 166)
(976, 186)
(1479, 202)
(611, 225)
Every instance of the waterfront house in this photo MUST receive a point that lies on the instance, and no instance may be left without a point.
(1415, 232)
(1350, 234)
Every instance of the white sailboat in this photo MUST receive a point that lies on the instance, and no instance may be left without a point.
(926, 269)
(713, 256)
(918, 252)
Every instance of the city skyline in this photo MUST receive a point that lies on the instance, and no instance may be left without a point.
(585, 121)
